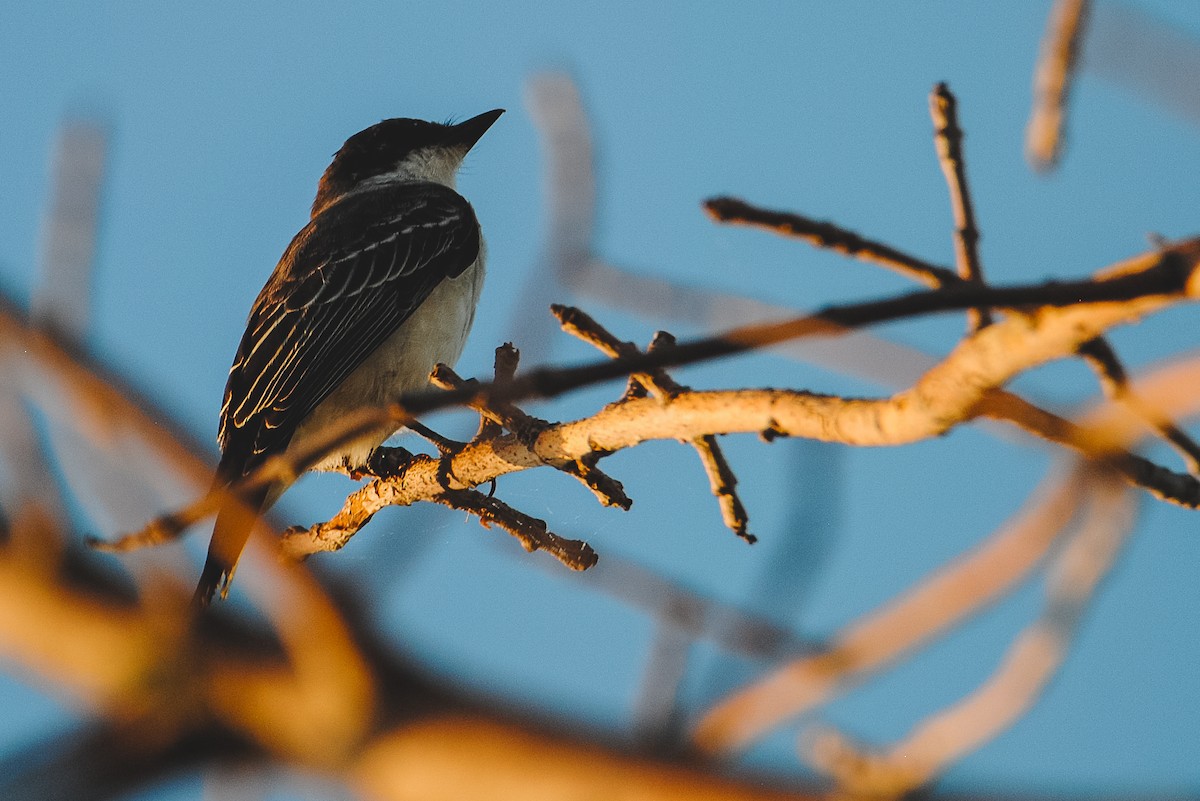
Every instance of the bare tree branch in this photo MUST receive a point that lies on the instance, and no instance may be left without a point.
(606, 488)
(947, 395)
(1098, 353)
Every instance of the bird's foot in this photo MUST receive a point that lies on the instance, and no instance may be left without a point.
(383, 463)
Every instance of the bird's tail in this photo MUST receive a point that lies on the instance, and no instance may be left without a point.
(235, 521)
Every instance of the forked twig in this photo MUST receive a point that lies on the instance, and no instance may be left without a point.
(1098, 353)
(721, 478)
(607, 489)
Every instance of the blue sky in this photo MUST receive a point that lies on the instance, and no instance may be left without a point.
(222, 119)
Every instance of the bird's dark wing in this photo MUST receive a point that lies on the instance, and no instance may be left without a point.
(345, 284)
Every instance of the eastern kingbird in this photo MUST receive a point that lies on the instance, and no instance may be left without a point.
(379, 287)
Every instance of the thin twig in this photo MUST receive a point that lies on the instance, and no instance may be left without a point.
(1096, 442)
(1115, 380)
(1052, 79)
(943, 109)
(607, 489)
(159, 531)
(721, 478)
(827, 235)
(504, 368)
(583, 326)
(500, 413)
(723, 484)
(529, 531)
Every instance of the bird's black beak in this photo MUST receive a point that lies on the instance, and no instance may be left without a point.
(468, 132)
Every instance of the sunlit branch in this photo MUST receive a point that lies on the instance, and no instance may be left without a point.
(606, 488)
(529, 531)
(951, 393)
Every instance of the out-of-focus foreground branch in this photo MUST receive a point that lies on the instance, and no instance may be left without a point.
(246, 696)
(316, 690)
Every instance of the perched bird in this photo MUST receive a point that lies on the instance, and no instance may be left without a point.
(376, 289)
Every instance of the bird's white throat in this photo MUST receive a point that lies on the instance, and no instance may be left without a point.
(438, 165)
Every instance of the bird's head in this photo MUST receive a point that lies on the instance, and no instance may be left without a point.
(399, 150)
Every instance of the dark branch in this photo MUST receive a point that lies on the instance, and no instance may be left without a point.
(943, 108)
(529, 531)
(828, 236)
